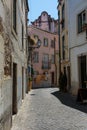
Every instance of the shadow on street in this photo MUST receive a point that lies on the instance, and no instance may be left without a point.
(69, 100)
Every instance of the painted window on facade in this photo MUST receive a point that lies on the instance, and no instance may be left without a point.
(36, 57)
(52, 44)
(39, 23)
(52, 59)
(63, 47)
(45, 57)
(44, 14)
(45, 61)
(81, 21)
(49, 24)
(14, 15)
(45, 42)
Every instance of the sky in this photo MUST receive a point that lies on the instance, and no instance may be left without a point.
(36, 7)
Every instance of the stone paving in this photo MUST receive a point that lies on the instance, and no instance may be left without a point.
(49, 109)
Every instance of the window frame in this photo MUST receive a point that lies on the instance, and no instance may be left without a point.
(45, 42)
(80, 25)
(45, 57)
(22, 5)
(52, 44)
(63, 47)
(22, 37)
(14, 20)
(14, 32)
(36, 57)
(52, 59)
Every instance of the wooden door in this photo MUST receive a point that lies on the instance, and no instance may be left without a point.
(14, 101)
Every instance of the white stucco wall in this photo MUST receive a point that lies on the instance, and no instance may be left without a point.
(77, 42)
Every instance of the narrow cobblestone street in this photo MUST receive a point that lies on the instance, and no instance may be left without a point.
(49, 109)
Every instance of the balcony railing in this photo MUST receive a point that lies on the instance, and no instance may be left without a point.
(46, 65)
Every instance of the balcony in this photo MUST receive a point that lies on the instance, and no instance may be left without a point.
(46, 65)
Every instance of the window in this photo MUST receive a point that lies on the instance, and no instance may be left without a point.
(46, 57)
(45, 42)
(22, 37)
(44, 14)
(63, 49)
(52, 44)
(14, 15)
(59, 22)
(39, 23)
(52, 59)
(36, 37)
(81, 21)
(22, 4)
(36, 57)
(63, 16)
(45, 61)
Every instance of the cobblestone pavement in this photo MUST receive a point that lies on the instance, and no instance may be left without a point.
(49, 109)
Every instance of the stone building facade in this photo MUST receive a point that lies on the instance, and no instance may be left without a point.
(46, 22)
(13, 59)
(64, 43)
(45, 58)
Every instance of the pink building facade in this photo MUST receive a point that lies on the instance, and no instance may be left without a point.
(45, 58)
(46, 22)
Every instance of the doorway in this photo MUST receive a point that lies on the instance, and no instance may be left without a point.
(14, 101)
(52, 78)
(22, 82)
(83, 71)
(68, 78)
